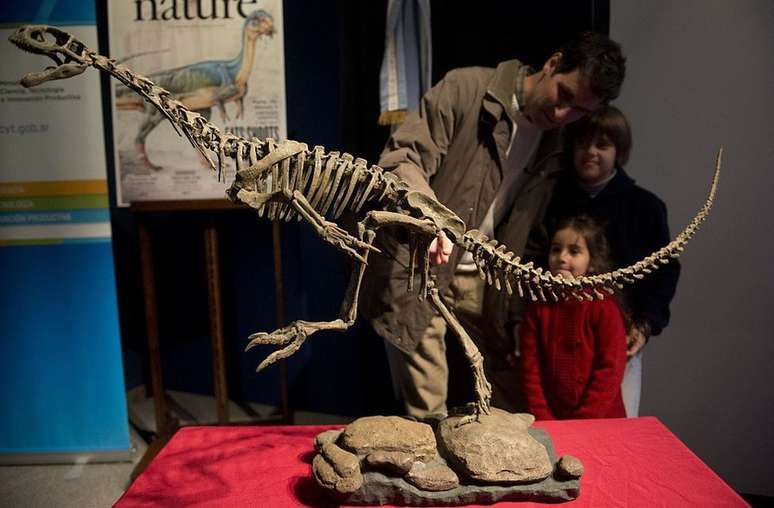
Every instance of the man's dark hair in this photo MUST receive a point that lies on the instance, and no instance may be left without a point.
(599, 59)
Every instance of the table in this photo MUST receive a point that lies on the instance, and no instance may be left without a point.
(629, 462)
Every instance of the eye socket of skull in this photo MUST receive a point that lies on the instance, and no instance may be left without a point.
(60, 37)
(76, 47)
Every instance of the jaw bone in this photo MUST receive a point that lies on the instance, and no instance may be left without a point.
(68, 53)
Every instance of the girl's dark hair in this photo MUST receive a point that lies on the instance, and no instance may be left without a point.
(594, 234)
(607, 121)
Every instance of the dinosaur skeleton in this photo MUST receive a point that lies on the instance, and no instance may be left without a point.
(285, 180)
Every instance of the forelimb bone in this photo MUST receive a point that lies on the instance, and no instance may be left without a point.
(328, 231)
(421, 234)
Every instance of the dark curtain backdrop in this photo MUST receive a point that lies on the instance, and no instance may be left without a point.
(481, 33)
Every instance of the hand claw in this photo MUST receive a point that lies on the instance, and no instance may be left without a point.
(352, 252)
(331, 229)
(345, 242)
(365, 246)
(368, 246)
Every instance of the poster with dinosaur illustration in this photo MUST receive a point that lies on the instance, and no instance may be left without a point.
(223, 59)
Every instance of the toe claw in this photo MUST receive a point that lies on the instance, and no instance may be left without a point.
(255, 339)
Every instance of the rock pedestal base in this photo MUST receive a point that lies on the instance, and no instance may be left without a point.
(392, 460)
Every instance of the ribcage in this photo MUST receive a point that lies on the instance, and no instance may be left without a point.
(330, 182)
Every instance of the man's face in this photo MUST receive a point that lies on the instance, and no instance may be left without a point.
(557, 99)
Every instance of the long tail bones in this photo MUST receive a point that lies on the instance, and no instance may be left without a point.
(503, 269)
(287, 181)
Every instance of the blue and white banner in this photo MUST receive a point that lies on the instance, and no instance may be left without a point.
(406, 71)
(61, 374)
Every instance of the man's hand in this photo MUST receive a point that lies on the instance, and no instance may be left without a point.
(635, 341)
(440, 249)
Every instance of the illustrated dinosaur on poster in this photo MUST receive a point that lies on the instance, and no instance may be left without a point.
(200, 86)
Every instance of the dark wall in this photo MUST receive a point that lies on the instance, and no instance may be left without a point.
(488, 32)
(333, 52)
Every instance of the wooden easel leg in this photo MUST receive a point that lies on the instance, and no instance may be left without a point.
(152, 328)
(279, 297)
(216, 321)
(165, 426)
(161, 440)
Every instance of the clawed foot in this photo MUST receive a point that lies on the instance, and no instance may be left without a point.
(291, 336)
(484, 394)
(469, 413)
(476, 410)
(464, 420)
(142, 157)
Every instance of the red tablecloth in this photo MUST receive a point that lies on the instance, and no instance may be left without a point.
(628, 462)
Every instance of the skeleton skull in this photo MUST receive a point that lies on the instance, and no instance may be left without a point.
(69, 54)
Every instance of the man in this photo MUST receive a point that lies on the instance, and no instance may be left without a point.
(486, 143)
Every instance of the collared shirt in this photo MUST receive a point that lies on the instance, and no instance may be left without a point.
(520, 151)
(593, 190)
(521, 74)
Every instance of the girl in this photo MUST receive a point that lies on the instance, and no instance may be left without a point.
(574, 352)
